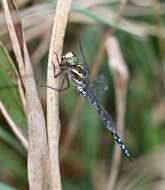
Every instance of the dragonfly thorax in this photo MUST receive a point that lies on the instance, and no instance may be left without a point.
(78, 75)
(76, 71)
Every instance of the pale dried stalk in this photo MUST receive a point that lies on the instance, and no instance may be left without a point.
(38, 167)
(53, 122)
(158, 112)
(118, 66)
(37, 143)
(120, 77)
(161, 40)
(13, 126)
(13, 36)
(22, 94)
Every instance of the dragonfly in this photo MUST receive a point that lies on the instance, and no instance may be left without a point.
(88, 87)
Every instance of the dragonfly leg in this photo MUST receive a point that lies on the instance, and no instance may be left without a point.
(61, 89)
(57, 58)
(67, 80)
(61, 67)
(54, 69)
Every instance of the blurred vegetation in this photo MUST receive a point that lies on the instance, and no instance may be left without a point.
(92, 148)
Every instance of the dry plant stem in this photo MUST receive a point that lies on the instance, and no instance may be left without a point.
(13, 36)
(120, 92)
(38, 169)
(161, 41)
(53, 122)
(158, 112)
(13, 126)
(37, 143)
(120, 78)
(22, 95)
(120, 110)
(99, 178)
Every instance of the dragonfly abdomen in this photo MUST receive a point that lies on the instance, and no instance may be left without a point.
(106, 118)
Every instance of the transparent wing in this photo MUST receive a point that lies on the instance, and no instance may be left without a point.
(99, 85)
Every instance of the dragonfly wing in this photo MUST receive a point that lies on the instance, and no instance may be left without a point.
(99, 85)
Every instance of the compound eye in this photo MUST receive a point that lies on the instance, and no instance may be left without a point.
(75, 60)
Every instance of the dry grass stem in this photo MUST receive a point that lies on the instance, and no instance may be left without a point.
(13, 126)
(120, 92)
(120, 77)
(12, 20)
(161, 41)
(53, 122)
(37, 143)
(158, 112)
(99, 178)
(22, 94)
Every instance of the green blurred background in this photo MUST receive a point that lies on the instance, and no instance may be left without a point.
(138, 26)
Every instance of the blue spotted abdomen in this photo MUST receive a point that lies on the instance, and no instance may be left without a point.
(106, 118)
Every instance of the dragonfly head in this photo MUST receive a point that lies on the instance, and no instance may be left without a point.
(77, 71)
(70, 58)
